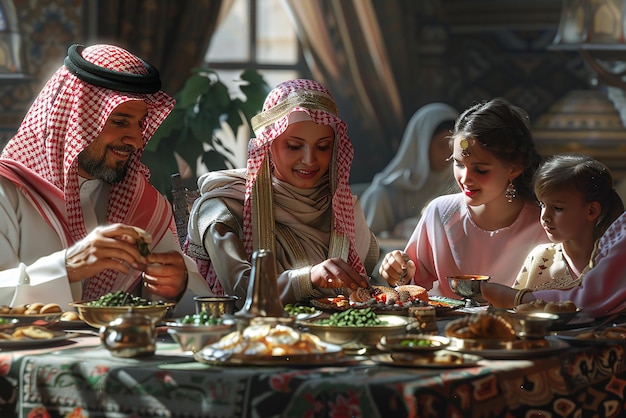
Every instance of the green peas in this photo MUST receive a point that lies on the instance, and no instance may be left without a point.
(202, 318)
(295, 309)
(353, 318)
(121, 298)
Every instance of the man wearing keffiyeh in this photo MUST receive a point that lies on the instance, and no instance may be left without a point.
(75, 196)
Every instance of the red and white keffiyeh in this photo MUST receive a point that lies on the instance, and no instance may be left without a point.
(64, 119)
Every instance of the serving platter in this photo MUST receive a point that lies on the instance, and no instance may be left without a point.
(592, 336)
(442, 359)
(342, 304)
(29, 319)
(441, 305)
(58, 337)
(513, 349)
(333, 354)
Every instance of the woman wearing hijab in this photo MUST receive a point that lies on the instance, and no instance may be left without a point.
(293, 199)
(419, 172)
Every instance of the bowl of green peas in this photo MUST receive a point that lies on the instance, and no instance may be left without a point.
(301, 312)
(193, 332)
(108, 307)
(356, 329)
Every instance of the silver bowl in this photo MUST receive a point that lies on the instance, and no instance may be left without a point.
(467, 286)
(217, 306)
(98, 316)
(192, 337)
(530, 324)
(358, 338)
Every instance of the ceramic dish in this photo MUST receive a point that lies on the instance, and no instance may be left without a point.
(515, 349)
(413, 343)
(443, 359)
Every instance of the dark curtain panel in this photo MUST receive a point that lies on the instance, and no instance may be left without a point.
(173, 35)
(368, 70)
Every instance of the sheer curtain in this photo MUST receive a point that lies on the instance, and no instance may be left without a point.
(173, 35)
(345, 49)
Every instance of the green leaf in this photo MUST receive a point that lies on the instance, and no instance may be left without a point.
(215, 161)
(189, 149)
(220, 96)
(203, 123)
(195, 86)
(233, 118)
(170, 125)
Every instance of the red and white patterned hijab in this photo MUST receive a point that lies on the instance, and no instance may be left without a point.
(66, 117)
(315, 100)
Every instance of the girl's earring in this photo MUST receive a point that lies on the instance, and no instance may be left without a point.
(511, 192)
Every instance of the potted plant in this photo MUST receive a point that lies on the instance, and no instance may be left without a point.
(202, 106)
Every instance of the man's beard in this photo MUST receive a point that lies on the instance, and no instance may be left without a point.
(97, 168)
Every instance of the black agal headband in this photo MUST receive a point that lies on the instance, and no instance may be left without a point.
(114, 80)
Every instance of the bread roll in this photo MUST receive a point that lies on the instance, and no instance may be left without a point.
(50, 308)
(18, 310)
(70, 316)
(34, 308)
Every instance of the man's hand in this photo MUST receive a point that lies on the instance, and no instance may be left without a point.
(335, 273)
(165, 274)
(397, 268)
(106, 247)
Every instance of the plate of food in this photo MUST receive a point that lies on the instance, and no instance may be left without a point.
(508, 349)
(566, 311)
(265, 343)
(29, 313)
(31, 336)
(413, 343)
(594, 336)
(382, 299)
(443, 359)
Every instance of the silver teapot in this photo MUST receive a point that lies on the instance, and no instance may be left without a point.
(130, 335)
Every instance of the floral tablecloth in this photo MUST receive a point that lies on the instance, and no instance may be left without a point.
(84, 380)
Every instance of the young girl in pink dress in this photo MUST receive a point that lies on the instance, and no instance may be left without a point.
(492, 224)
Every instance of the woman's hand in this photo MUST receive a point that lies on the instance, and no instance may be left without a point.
(106, 247)
(498, 295)
(335, 273)
(397, 268)
(165, 274)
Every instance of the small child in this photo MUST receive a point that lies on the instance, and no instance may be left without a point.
(578, 203)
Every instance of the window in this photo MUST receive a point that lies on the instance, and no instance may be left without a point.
(10, 42)
(255, 34)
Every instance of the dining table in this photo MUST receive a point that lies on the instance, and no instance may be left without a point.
(77, 376)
